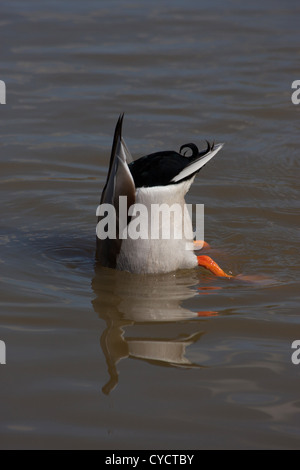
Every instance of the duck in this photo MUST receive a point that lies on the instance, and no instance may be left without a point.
(128, 236)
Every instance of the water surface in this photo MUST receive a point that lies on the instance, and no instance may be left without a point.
(108, 360)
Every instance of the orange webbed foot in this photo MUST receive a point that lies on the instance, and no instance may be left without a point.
(212, 266)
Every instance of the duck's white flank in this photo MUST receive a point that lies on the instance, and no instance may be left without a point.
(160, 255)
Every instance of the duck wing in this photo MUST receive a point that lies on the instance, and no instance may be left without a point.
(119, 182)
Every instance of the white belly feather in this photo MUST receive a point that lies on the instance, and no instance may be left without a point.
(148, 255)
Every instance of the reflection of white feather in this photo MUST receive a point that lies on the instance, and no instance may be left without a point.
(156, 299)
(172, 352)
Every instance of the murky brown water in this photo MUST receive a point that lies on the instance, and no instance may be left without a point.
(103, 359)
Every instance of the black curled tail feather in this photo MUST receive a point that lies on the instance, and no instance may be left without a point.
(195, 150)
(192, 147)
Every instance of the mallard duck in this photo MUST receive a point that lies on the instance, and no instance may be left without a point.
(152, 180)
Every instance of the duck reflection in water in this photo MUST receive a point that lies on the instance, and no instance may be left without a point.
(145, 318)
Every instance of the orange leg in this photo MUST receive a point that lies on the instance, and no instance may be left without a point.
(211, 265)
(209, 313)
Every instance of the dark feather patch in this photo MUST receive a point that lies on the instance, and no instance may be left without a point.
(158, 169)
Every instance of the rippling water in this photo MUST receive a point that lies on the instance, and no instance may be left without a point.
(104, 359)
